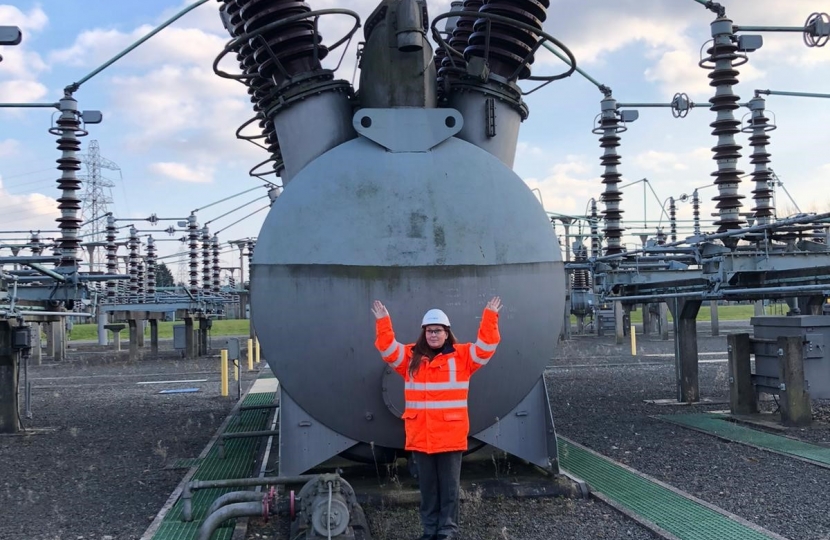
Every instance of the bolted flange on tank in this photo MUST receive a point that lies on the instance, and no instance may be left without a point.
(408, 213)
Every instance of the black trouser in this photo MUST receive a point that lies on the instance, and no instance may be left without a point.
(439, 476)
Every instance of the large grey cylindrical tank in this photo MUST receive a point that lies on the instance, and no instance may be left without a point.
(412, 216)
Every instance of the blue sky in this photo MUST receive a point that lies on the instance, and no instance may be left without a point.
(169, 122)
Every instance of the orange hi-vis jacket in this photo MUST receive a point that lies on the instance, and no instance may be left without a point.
(435, 417)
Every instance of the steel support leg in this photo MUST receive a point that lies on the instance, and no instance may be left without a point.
(50, 339)
(203, 336)
(685, 343)
(59, 330)
(8, 381)
(664, 321)
(133, 324)
(190, 342)
(742, 398)
(154, 337)
(795, 399)
(713, 311)
(102, 332)
(618, 323)
(37, 350)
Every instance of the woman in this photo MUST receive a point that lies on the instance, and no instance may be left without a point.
(436, 370)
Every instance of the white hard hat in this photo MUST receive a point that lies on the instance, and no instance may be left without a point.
(435, 316)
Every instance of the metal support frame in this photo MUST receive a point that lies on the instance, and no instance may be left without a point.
(684, 313)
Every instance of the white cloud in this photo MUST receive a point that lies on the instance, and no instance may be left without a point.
(187, 111)
(667, 162)
(525, 149)
(33, 21)
(21, 91)
(678, 71)
(567, 186)
(171, 45)
(32, 211)
(21, 67)
(9, 147)
(19, 63)
(183, 172)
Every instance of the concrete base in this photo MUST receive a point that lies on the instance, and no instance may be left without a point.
(767, 421)
(674, 402)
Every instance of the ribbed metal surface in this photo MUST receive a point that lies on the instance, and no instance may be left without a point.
(184, 463)
(238, 460)
(682, 517)
(610, 128)
(722, 59)
(718, 426)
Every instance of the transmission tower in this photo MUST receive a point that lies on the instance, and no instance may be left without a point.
(96, 197)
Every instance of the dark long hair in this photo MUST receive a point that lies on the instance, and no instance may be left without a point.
(422, 349)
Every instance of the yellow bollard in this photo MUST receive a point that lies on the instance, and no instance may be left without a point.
(236, 369)
(633, 341)
(250, 355)
(223, 366)
(258, 351)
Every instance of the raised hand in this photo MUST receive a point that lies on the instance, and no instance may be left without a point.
(379, 310)
(494, 304)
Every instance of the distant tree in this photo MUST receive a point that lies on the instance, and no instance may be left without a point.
(164, 277)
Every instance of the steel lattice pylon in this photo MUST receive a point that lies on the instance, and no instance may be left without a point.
(96, 197)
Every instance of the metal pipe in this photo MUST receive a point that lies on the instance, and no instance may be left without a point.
(602, 88)
(29, 105)
(738, 28)
(28, 260)
(51, 273)
(766, 292)
(214, 520)
(795, 94)
(190, 487)
(29, 231)
(643, 105)
(234, 497)
(74, 86)
(243, 219)
(228, 198)
(7, 313)
(240, 207)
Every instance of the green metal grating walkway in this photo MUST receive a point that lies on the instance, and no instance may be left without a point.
(720, 426)
(238, 463)
(682, 516)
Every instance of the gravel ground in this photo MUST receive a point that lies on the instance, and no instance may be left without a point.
(92, 464)
(494, 519)
(602, 407)
(94, 467)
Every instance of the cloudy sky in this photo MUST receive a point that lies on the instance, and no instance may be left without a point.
(169, 122)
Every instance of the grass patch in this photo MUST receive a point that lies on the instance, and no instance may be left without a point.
(725, 313)
(239, 327)
(227, 327)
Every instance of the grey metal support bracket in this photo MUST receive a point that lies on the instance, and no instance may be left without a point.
(304, 441)
(527, 431)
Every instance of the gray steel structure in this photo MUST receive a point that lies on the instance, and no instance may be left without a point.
(407, 198)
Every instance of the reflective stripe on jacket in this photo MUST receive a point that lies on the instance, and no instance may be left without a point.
(435, 417)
